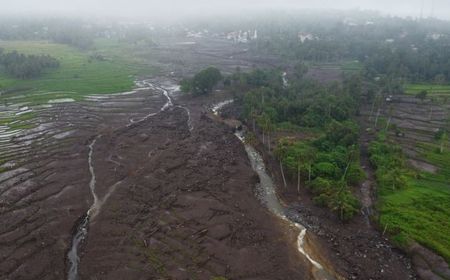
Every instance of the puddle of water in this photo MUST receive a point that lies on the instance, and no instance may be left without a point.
(186, 43)
(63, 134)
(216, 108)
(61, 100)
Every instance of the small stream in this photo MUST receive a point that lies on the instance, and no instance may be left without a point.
(266, 193)
(82, 228)
(285, 81)
(168, 104)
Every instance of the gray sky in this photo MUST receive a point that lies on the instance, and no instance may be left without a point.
(172, 8)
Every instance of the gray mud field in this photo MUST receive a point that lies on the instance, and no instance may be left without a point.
(168, 190)
(151, 185)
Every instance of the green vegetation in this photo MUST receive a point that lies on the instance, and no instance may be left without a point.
(80, 73)
(431, 89)
(203, 82)
(22, 66)
(352, 66)
(109, 68)
(413, 205)
(328, 162)
(328, 172)
(414, 51)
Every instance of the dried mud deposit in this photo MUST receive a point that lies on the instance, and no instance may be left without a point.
(174, 198)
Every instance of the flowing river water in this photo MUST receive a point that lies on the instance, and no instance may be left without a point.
(266, 193)
(81, 231)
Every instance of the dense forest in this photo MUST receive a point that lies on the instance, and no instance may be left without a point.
(402, 48)
(23, 66)
(75, 33)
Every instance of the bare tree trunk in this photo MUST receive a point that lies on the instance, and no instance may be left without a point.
(373, 107)
(346, 168)
(264, 138)
(298, 178)
(388, 123)
(385, 228)
(254, 125)
(376, 119)
(309, 173)
(268, 140)
(282, 174)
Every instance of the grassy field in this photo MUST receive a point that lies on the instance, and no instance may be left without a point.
(422, 210)
(79, 74)
(430, 88)
(352, 66)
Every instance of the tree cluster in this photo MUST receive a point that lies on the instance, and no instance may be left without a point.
(329, 164)
(203, 82)
(390, 164)
(23, 66)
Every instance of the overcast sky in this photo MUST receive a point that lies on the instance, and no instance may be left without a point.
(171, 8)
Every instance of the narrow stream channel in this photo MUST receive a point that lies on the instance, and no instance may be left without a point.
(83, 226)
(266, 193)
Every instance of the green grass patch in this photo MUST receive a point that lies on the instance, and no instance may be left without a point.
(431, 153)
(110, 67)
(18, 122)
(79, 74)
(414, 89)
(352, 66)
(420, 212)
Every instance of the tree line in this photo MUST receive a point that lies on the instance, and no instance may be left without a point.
(416, 51)
(23, 66)
(75, 33)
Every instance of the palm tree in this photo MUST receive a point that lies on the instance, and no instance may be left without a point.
(443, 141)
(281, 153)
(299, 164)
(391, 110)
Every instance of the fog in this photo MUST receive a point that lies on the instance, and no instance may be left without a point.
(177, 8)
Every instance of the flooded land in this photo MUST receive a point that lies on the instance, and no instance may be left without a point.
(117, 164)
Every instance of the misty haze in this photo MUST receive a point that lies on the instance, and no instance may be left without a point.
(223, 140)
